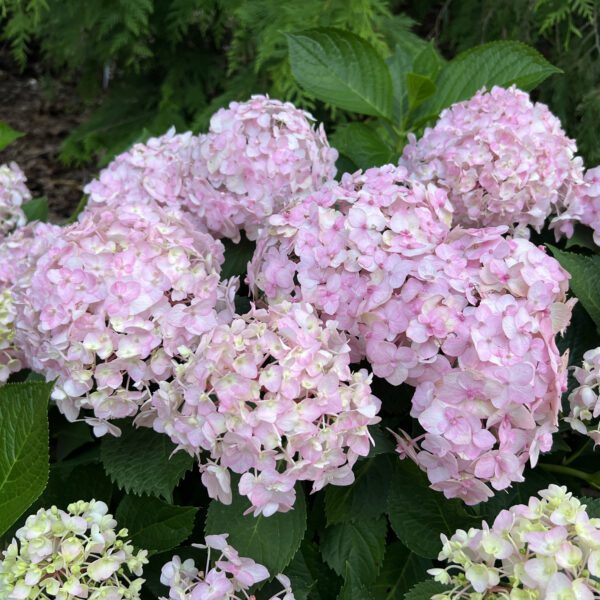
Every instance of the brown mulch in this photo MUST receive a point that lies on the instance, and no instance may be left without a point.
(46, 110)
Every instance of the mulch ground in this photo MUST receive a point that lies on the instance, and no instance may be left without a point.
(46, 110)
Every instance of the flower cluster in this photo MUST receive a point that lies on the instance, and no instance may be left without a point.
(348, 250)
(19, 253)
(256, 156)
(114, 301)
(503, 160)
(582, 205)
(548, 548)
(270, 397)
(222, 578)
(491, 401)
(72, 554)
(466, 316)
(584, 400)
(13, 192)
(260, 154)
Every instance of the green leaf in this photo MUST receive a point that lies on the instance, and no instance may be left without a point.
(425, 590)
(500, 63)
(419, 515)
(362, 145)
(582, 237)
(70, 437)
(428, 62)
(271, 541)
(361, 544)
(419, 88)
(153, 524)
(23, 448)
(585, 279)
(341, 69)
(401, 570)
(8, 135)
(326, 583)
(353, 588)
(367, 497)
(36, 209)
(140, 462)
(592, 506)
(237, 257)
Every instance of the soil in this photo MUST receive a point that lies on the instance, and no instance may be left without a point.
(46, 110)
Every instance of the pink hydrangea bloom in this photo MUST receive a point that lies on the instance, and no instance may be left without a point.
(489, 401)
(226, 577)
(117, 300)
(348, 250)
(548, 548)
(262, 153)
(466, 316)
(582, 205)
(270, 397)
(503, 160)
(13, 193)
(19, 253)
(584, 400)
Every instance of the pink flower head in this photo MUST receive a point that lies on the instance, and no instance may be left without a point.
(223, 578)
(270, 397)
(19, 335)
(260, 154)
(503, 159)
(549, 548)
(115, 302)
(13, 193)
(584, 400)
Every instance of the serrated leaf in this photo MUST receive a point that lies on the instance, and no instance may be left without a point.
(8, 135)
(153, 524)
(361, 544)
(419, 88)
(70, 437)
(353, 588)
(271, 541)
(36, 209)
(401, 570)
(341, 69)
(366, 498)
(237, 257)
(501, 63)
(425, 590)
(585, 279)
(583, 237)
(362, 145)
(428, 62)
(23, 448)
(326, 582)
(141, 461)
(419, 515)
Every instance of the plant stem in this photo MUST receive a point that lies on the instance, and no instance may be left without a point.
(587, 477)
(577, 453)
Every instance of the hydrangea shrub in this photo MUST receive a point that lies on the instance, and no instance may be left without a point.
(316, 369)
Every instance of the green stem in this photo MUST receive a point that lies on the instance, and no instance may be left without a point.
(577, 453)
(587, 477)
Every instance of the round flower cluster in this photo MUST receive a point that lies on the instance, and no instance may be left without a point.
(262, 153)
(19, 253)
(548, 548)
(490, 402)
(222, 577)
(13, 192)
(270, 397)
(582, 205)
(115, 301)
(348, 250)
(584, 400)
(466, 316)
(503, 160)
(73, 554)
(256, 156)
